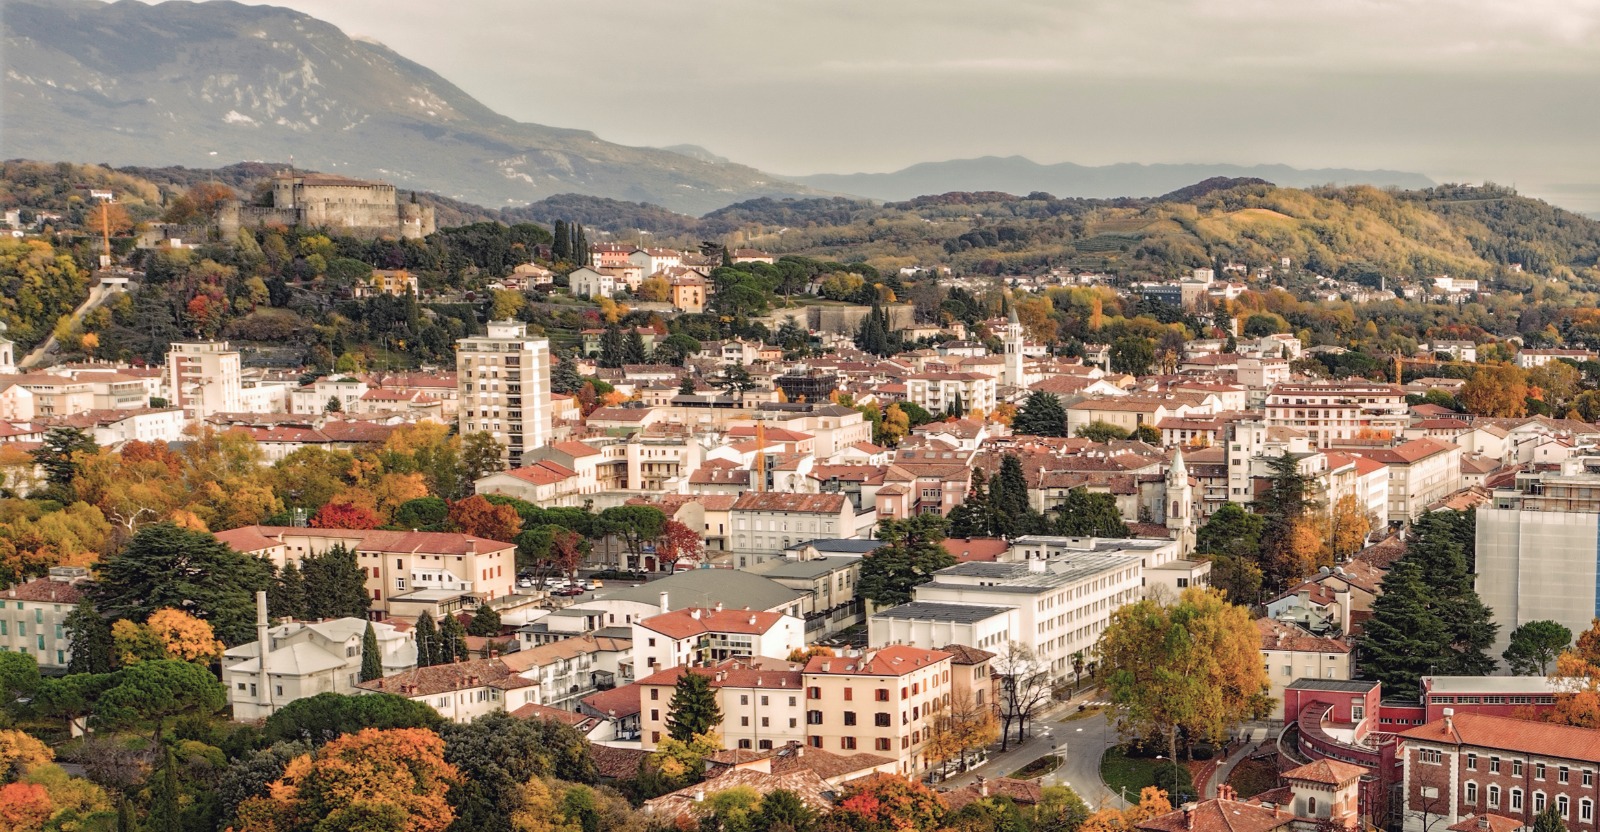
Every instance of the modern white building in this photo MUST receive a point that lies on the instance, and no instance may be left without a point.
(203, 377)
(504, 379)
(699, 635)
(1329, 412)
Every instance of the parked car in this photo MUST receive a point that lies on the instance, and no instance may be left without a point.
(570, 591)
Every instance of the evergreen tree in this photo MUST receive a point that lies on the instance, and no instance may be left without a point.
(873, 336)
(1534, 646)
(485, 622)
(1041, 415)
(973, 517)
(164, 814)
(336, 585)
(371, 655)
(1085, 514)
(612, 348)
(286, 597)
(686, 387)
(912, 550)
(1283, 506)
(693, 709)
(1404, 640)
(580, 245)
(1435, 547)
(427, 640)
(1549, 820)
(1232, 531)
(561, 246)
(633, 348)
(90, 642)
(565, 378)
(167, 566)
(452, 640)
(56, 457)
(1011, 515)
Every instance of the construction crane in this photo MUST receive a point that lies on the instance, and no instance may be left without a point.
(105, 234)
(761, 456)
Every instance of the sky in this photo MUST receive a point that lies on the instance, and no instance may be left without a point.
(1460, 90)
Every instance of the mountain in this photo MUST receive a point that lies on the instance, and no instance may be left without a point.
(1019, 175)
(202, 84)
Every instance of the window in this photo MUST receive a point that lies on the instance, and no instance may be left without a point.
(655, 694)
(881, 744)
(1538, 772)
(847, 743)
(744, 743)
(1516, 768)
(849, 694)
(1429, 755)
(1472, 762)
(1562, 774)
(1516, 799)
(881, 720)
(1562, 804)
(744, 699)
(883, 695)
(1494, 797)
(655, 715)
(849, 717)
(1588, 777)
(1494, 765)
(744, 722)
(1472, 792)
(1311, 806)
(813, 693)
(1538, 802)
(813, 717)
(1586, 810)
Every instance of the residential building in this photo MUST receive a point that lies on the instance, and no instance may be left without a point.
(762, 701)
(1421, 472)
(304, 659)
(460, 692)
(882, 701)
(565, 671)
(202, 378)
(1289, 653)
(706, 636)
(1331, 411)
(935, 622)
(591, 283)
(1468, 765)
(505, 387)
(831, 604)
(961, 393)
(33, 616)
(391, 282)
(1321, 795)
(1528, 359)
(766, 523)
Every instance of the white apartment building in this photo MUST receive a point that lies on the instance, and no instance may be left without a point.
(762, 702)
(1528, 359)
(1330, 412)
(203, 377)
(1289, 653)
(933, 622)
(33, 616)
(315, 397)
(307, 658)
(766, 523)
(504, 379)
(1421, 472)
(591, 283)
(711, 635)
(935, 392)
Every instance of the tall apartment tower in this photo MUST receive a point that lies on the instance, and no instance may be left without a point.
(203, 378)
(504, 381)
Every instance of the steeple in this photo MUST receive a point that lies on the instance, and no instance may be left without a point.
(1180, 504)
(1013, 346)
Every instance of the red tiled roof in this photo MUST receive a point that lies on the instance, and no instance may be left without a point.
(1276, 635)
(691, 621)
(895, 660)
(965, 549)
(1220, 816)
(615, 703)
(1487, 823)
(1520, 735)
(798, 503)
(46, 591)
(1329, 772)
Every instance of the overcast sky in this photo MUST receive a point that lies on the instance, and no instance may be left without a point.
(1461, 90)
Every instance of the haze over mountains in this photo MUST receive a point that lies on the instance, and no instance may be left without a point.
(204, 84)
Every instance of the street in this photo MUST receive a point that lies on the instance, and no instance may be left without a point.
(1080, 742)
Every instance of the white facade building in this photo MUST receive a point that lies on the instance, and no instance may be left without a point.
(504, 379)
(203, 378)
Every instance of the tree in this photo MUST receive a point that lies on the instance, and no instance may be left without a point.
(1534, 646)
(1086, 514)
(1101, 431)
(1192, 666)
(1288, 552)
(633, 351)
(1008, 494)
(1148, 434)
(485, 622)
(1041, 415)
(481, 454)
(156, 691)
(885, 803)
(1024, 688)
(477, 516)
(328, 716)
(1059, 809)
(164, 566)
(452, 640)
(286, 597)
(959, 729)
(90, 647)
(975, 516)
(634, 526)
(1238, 577)
(1349, 526)
(912, 550)
(693, 710)
(344, 515)
(428, 652)
(782, 809)
(376, 779)
(164, 814)
(429, 514)
(1404, 639)
(1132, 354)
(371, 655)
(1496, 390)
(612, 348)
(564, 378)
(60, 457)
(1549, 820)
(497, 753)
(1231, 531)
(169, 634)
(336, 584)
(678, 542)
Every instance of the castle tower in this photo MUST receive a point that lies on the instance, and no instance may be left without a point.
(1180, 504)
(1013, 347)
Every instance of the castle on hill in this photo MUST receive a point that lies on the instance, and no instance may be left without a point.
(355, 207)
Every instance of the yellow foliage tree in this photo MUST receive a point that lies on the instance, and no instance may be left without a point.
(1349, 527)
(1496, 390)
(654, 289)
(540, 810)
(20, 752)
(168, 634)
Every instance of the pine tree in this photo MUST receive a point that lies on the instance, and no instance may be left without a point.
(452, 640)
(427, 636)
(973, 517)
(561, 247)
(1283, 506)
(371, 656)
(286, 597)
(164, 814)
(1084, 514)
(612, 350)
(1012, 516)
(336, 585)
(633, 348)
(1041, 415)
(565, 378)
(693, 709)
(1436, 549)
(1549, 820)
(485, 622)
(90, 644)
(686, 387)
(1404, 640)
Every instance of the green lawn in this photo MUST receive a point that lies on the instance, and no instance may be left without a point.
(1121, 771)
(1084, 714)
(1038, 768)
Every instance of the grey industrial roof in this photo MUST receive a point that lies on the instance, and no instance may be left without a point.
(732, 588)
(1488, 684)
(1089, 544)
(806, 568)
(1017, 577)
(839, 544)
(937, 611)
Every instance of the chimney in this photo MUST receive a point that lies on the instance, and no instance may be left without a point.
(1188, 816)
(719, 606)
(983, 786)
(472, 546)
(699, 795)
(1449, 720)
(263, 647)
(695, 613)
(664, 607)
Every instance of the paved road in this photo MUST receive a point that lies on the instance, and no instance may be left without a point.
(1081, 742)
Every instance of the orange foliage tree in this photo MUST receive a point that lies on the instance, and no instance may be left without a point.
(477, 516)
(393, 779)
(886, 803)
(678, 542)
(1577, 678)
(344, 516)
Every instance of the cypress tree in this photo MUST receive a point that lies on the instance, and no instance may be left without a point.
(452, 640)
(693, 709)
(90, 642)
(580, 245)
(561, 247)
(973, 517)
(427, 640)
(371, 657)
(1549, 820)
(164, 814)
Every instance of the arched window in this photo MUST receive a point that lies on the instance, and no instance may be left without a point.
(1516, 799)
(1311, 806)
(1538, 801)
(1494, 797)
(1586, 810)
(1562, 804)
(1472, 792)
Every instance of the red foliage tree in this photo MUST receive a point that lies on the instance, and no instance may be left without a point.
(477, 516)
(678, 542)
(566, 549)
(344, 516)
(886, 803)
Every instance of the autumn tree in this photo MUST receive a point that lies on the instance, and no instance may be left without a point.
(1496, 390)
(477, 516)
(1192, 666)
(960, 729)
(168, 634)
(164, 566)
(60, 455)
(678, 542)
(1348, 527)
(497, 752)
(885, 803)
(1290, 545)
(912, 550)
(1024, 688)
(344, 515)
(375, 779)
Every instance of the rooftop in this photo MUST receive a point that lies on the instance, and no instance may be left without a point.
(942, 612)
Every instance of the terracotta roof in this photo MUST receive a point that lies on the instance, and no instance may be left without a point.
(1276, 635)
(1384, 553)
(377, 540)
(46, 591)
(615, 703)
(1220, 816)
(536, 711)
(574, 448)
(1025, 792)
(444, 678)
(1407, 453)
(620, 414)
(247, 539)
(692, 621)
(543, 472)
(825, 764)
(617, 763)
(962, 654)
(895, 660)
(684, 803)
(757, 672)
(964, 549)
(798, 503)
(1329, 772)
(1524, 736)
(1487, 823)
